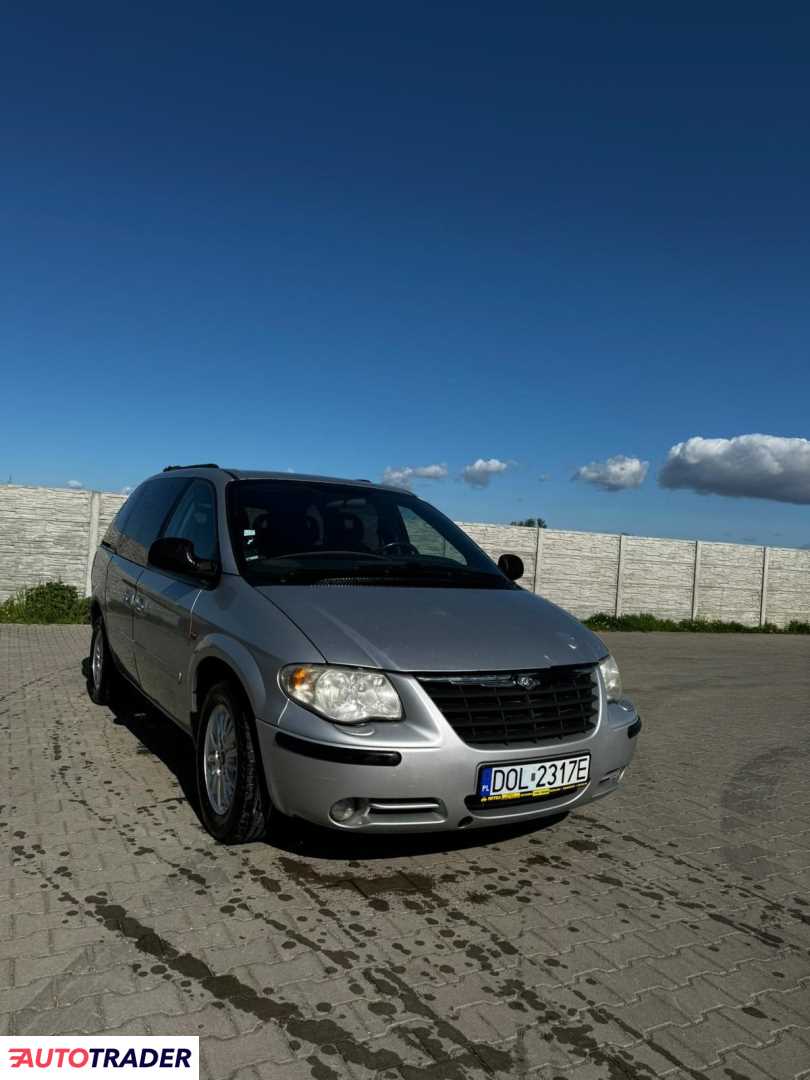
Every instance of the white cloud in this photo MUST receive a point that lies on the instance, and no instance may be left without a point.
(406, 474)
(75, 484)
(430, 472)
(481, 471)
(746, 466)
(616, 474)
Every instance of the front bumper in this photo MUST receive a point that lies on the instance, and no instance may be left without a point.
(418, 775)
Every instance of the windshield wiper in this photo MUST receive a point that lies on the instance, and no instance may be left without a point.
(409, 573)
(431, 570)
(329, 555)
(368, 568)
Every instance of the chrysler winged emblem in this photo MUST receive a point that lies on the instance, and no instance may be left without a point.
(526, 682)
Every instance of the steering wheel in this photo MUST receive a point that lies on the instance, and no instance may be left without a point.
(398, 547)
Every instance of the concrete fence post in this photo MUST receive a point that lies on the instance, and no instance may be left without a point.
(696, 582)
(92, 537)
(620, 575)
(763, 599)
(538, 555)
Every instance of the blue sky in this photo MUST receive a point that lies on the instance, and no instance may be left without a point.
(345, 238)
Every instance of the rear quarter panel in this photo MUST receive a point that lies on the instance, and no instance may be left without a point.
(98, 577)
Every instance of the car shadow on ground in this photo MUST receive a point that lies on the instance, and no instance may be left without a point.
(310, 841)
(156, 735)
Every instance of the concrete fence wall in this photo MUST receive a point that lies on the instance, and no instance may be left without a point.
(51, 534)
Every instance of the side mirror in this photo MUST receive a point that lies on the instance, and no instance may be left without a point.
(511, 566)
(176, 555)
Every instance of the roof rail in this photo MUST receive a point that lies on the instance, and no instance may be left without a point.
(203, 465)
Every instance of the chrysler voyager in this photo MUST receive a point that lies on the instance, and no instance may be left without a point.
(340, 651)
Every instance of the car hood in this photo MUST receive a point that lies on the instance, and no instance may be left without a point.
(435, 629)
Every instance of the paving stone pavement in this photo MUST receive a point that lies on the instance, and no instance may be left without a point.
(664, 931)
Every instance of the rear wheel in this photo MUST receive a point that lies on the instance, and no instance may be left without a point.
(103, 679)
(233, 803)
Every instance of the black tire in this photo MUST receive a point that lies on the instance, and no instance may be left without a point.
(103, 680)
(244, 815)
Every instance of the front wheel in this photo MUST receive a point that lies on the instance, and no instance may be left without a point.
(233, 803)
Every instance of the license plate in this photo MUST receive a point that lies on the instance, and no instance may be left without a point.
(534, 779)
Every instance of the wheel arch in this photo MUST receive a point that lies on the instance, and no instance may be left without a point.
(217, 660)
(234, 665)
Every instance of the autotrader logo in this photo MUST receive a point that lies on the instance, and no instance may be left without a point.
(43, 1055)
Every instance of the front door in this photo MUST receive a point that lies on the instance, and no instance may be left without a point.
(162, 638)
(165, 601)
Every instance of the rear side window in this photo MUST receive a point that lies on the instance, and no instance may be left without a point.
(195, 519)
(155, 502)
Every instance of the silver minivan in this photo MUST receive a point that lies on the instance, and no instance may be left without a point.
(341, 652)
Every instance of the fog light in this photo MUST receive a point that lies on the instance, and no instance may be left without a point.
(343, 809)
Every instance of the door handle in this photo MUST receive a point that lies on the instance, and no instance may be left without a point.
(139, 604)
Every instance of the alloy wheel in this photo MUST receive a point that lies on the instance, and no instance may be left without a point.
(97, 660)
(220, 759)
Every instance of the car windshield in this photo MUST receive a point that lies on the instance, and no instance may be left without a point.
(287, 532)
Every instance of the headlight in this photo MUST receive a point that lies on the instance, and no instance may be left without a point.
(612, 678)
(345, 695)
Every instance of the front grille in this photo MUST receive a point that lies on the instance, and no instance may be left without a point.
(494, 710)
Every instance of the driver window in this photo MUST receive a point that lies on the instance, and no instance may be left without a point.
(195, 519)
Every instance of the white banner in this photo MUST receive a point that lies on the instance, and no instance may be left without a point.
(94, 1055)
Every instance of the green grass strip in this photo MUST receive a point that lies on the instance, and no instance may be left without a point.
(646, 623)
